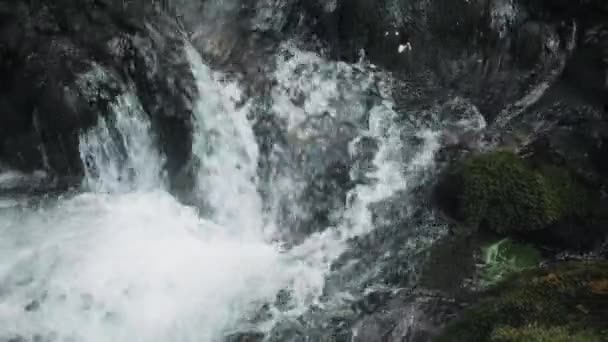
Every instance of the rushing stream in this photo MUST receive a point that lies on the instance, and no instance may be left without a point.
(123, 260)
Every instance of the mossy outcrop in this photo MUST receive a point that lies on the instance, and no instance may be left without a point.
(566, 302)
(541, 334)
(502, 192)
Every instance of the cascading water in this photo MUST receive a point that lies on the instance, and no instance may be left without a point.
(119, 155)
(341, 92)
(125, 261)
(226, 150)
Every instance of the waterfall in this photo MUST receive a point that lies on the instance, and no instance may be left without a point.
(226, 149)
(119, 153)
(125, 261)
(350, 94)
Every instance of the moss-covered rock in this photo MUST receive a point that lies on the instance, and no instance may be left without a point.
(569, 300)
(542, 334)
(504, 193)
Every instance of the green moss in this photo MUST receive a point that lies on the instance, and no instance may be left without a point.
(542, 334)
(506, 257)
(503, 193)
(569, 296)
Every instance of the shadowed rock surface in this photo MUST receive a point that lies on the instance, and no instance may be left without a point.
(63, 63)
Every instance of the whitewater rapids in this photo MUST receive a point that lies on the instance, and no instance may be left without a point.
(123, 260)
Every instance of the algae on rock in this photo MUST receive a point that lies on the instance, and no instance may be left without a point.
(501, 192)
(504, 257)
(562, 299)
(541, 334)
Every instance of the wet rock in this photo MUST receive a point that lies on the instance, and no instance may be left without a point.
(450, 265)
(373, 301)
(463, 267)
(575, 140)
(564, 302)
(491, 52)
(501, 192)
(575, 8)
(530, 44)
(417, 316)
(63, 63)
(166, 88)
(245, 337)
(569, 133)
(289, 331)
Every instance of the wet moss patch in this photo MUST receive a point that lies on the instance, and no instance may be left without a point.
(542, 334)
(501, 192)
(552, 304)
(505, 257)
(504, 194)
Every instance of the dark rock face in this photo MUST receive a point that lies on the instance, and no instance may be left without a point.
(541, 85)
(500, 55)
(577, 147)
(62, 63)
(495, 53)
(407, 315)
(418, 317)
(245, 337)
(165, 85)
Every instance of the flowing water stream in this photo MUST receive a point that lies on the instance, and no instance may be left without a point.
(123, 260)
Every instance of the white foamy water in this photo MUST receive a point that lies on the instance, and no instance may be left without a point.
(125, 261)
(341, 91)
(225, 146)
(119, 154)
(129, 267)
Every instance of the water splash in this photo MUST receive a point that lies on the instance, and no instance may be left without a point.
(129, 267)
(119, 154)
(127, 262)
(311, 88)
(225, 146)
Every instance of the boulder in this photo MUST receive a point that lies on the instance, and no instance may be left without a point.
(507, 194)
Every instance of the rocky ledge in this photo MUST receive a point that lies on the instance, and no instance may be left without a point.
(62, 63)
